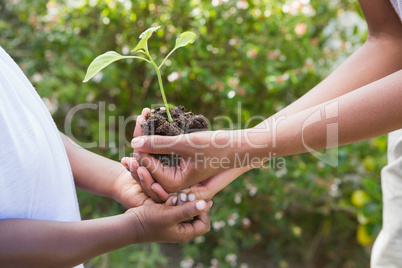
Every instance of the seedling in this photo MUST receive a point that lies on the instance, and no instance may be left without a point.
(102, 61)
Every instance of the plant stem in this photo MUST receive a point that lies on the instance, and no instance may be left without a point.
(162, 90)
(166, 58)
(135, 57)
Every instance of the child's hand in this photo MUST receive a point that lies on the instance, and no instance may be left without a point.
(164, 223)
(128, 192)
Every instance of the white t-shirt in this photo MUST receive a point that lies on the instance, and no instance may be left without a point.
(398, 7)
(36, 181)
(387, 250)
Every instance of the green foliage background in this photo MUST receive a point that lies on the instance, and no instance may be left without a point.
(259, 54)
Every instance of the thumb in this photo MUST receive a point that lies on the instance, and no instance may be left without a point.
(160, 144)
(188, 211)
(208, 188)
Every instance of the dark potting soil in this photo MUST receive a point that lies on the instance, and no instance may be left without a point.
(156, 123)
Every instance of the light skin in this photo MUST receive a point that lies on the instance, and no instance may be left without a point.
(362, 97)
(39, 243)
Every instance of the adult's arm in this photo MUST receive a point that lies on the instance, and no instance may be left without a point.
(364, 113)
(379, 56)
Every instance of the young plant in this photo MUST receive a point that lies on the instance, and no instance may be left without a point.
(109, 57)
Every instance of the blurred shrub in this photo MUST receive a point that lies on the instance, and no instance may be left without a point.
(260, 55)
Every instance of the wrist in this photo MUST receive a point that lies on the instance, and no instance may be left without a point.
(134, 226)
(254, 147)
(116, 189)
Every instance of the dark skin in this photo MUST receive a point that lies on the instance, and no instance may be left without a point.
(38, 243)
(369, 80)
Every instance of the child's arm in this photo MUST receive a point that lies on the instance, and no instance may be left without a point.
(36, 243)
(102, 176)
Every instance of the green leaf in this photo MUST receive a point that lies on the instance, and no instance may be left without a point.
(101, 62)
(147, 34)
(144, 39)
(184, 39)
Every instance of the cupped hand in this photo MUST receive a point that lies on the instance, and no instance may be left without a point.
(172, 224)
(204, 190)
(202, 155)
(129, 193)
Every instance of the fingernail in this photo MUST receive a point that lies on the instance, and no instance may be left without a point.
(163, 108)
(191, 197)
(183, 197)
(174, 200)
(153, 188)
(211, 204)
(139, 118)
(137, 142)
(200, 205)
(139, 176)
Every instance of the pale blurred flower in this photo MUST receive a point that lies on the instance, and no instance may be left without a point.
(173, 77)
(233, 41)
(285, 8)
(231, 259)
(37, 77)
(309, 63)
(252, 189)
(218, 225)
(282, 78)
(300, 28)
(246, 222)
(216, 2)
(278, 215)
(187, 263)
(231, 94)
(51, 104)
(242, 4)
(233, 82)
(199, 239)
(281, 172)
(98, 77)
(90, 97)
(252, 53)
(334, 188)
(308, 10)
(214, 263)
(237, 198)
(232, 219)
(106, 20)
(273, 54)
(125, 50)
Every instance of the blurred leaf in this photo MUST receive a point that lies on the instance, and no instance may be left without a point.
(143, 44)
(184, 39)
(101, 62)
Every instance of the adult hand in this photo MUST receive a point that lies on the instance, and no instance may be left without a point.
(157, 193)
(203, 155)
(204, 190)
